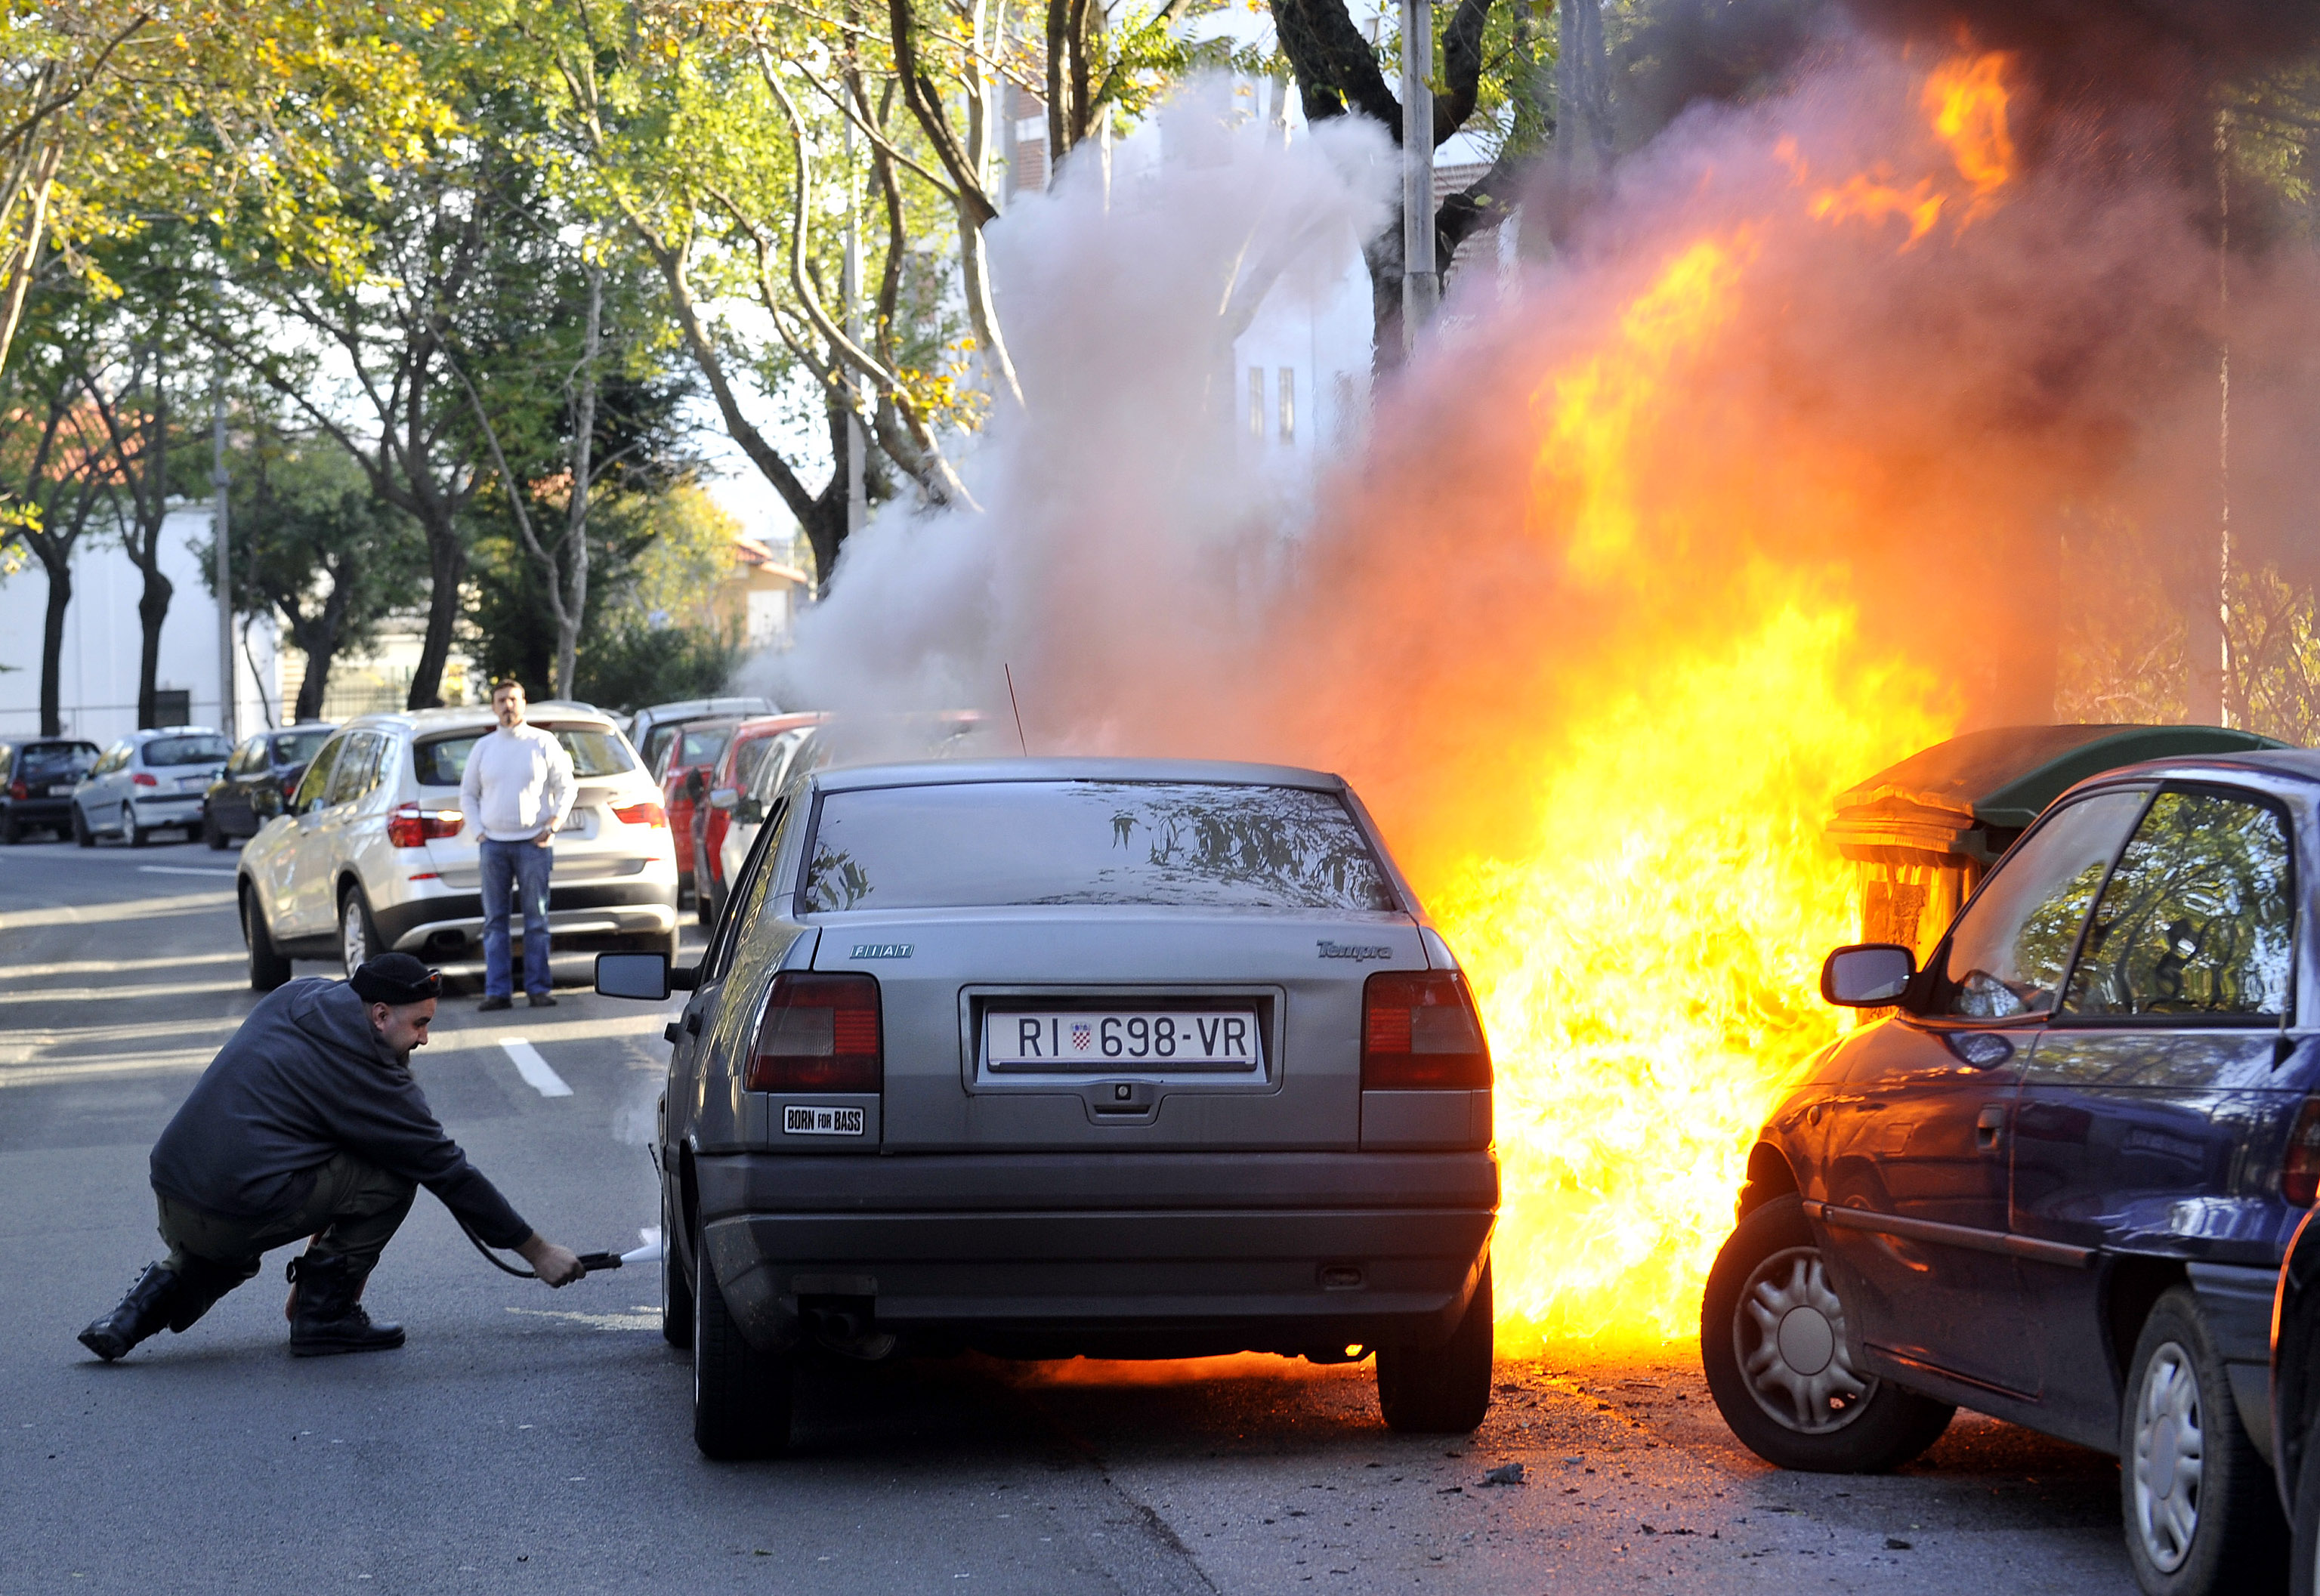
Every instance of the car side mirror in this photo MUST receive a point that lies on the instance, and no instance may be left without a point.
(1867, 975)
(749, 812)
(724, 798)
(646, 977)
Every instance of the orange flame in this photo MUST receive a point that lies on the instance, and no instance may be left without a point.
(1872, 200)
(1967, 100)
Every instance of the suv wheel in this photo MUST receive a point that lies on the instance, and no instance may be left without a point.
(1772, 1342)
(1441, 1390)
(357, 937)
(82, 836)
(741, 1397)
(2202, 1512)
(267, 968)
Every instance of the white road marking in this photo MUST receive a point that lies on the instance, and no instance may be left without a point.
(182, 870)
(107, 966)
(72, 914)
(533, 1068)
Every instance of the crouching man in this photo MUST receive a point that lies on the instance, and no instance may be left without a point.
(308, 1124)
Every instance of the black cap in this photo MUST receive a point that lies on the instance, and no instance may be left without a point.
(396, 978)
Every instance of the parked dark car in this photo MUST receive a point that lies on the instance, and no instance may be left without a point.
(37, 777)
(2053, 1177)
(260, 779)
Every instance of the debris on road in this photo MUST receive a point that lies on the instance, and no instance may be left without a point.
(1506, 1473)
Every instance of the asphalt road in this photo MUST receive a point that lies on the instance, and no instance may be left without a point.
(531, 1439)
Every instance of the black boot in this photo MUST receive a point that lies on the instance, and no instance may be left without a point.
(143, 1311)
(331, 1318)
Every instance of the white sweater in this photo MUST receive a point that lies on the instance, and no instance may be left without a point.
(517, 783)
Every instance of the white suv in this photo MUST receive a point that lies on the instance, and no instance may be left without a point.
(374, 854)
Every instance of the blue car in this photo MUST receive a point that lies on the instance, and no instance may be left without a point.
(2053, 1175)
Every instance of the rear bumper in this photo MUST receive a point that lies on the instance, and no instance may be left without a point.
(38, 811)
(638, 906)
(1157, 1254)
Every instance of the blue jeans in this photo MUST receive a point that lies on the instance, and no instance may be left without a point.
(521, 868)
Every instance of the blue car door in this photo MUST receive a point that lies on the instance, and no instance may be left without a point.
(1916, 1215)
(2141, 1095)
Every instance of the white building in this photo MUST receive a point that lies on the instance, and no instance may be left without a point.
(98, 672)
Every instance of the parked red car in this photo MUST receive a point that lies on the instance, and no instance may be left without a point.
(688, 756)
(736, 768)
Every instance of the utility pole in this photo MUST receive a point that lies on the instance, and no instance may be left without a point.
(1421, 283)
(857, 496)
(219, 481)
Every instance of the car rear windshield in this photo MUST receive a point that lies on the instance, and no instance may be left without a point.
(44, 757)
(594, 750)
(297, 748)
(1163, 843)
(187, 750)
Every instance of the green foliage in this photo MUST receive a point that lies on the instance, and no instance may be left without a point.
(632, 665)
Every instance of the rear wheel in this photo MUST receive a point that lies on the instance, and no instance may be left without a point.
(357, 937)
(675, 1290)
(2304, 1557)
(10, 833)
(1441, 1390)
(741, 1397)
(82, 836)
(139, 836)
(267, 968)
(1773, 1340)
(210, 833)
(2202, 1512)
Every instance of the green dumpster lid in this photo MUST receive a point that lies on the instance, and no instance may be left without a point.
(2005, 775)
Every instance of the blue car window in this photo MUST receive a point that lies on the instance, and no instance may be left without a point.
(2012, 945)
(2199, 918)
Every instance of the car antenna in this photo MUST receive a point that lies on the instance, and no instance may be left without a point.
(1017, 708)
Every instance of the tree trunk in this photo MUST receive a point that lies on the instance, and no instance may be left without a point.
(152, 609)
(52, 643)
(447, 568)
(573, 603)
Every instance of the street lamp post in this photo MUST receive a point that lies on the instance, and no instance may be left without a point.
(1421, 282)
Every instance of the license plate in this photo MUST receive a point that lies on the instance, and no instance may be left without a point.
(1148, 1039)
(574, 822)
(804, 1120)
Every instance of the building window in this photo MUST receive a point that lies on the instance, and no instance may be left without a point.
(1256, 403)
(1288, 433)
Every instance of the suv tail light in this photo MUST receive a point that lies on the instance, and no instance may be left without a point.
(640, 814)
(2299, 1173)
(144, 779)
(410, 826)
(820, 1034)
(1420, 1033)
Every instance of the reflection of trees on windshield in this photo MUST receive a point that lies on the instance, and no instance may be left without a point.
(1283, 844)
(2010, 952)
(835, 882)
(2196, 920)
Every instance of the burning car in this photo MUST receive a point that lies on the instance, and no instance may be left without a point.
(2054, 1180)
(1058, 1056)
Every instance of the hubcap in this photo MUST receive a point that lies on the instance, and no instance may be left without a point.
(1789, 1334)
(355, 946)
(2169, 1449)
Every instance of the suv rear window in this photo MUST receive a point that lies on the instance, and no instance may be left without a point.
(164, 751)
(1163, 843)
(595, 751)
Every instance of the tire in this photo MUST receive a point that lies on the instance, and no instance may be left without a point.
(741, 1397)
(267, 968)
(2304, 1529)
(2202, 1510)
(139, 836)
(358, 934)
(210, 834)
(10, 833)
(1441, 1391)
(1768, 1314)
(675, 1290)
(81, 835)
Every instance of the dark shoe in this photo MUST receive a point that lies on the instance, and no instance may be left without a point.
(330, 1317)
(142, 1313)
(493, 1004)
(541, 1000)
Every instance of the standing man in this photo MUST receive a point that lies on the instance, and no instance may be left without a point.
(517, 790)
(308, 1127)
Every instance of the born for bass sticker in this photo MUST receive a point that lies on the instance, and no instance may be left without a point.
(804, 1120)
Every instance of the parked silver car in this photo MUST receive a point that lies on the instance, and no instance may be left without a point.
(1058, 1057)
(149, 781)
(374, 853)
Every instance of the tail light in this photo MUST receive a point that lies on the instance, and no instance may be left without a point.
(290, 783)
(819, 1033)
(17, 789)
(410, 826)
(640, 814)
(2299, 1174)
(145, 779)
(1420, 1033)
